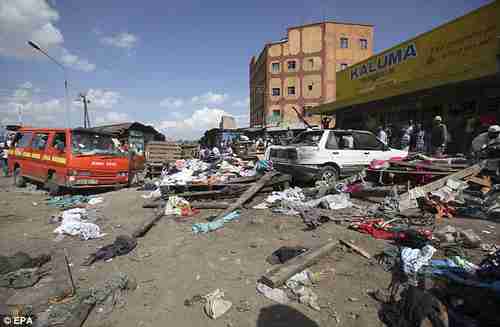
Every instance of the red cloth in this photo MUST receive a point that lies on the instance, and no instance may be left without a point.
(370, 227)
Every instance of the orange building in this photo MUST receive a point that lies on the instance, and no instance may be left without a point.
(300, 71)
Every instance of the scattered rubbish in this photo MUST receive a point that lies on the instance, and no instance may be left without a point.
(279, 275)
(215, 305)
(306, 296)
(414, 259)
(216, 224)
(74, 223)
(71, 201)
(275, 294)
(22, 278)
(195, 299)
(75, 311)
(123, 244)
(95, 201)
(470, 238)
(179, 207)
(352, 299)
(21, 260)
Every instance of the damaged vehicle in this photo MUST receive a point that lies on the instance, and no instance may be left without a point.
(329, 154)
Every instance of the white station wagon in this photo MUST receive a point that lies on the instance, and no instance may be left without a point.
(329, 154)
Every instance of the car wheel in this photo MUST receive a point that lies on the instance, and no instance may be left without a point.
(329, 174)
(52, 186)
(19, 180)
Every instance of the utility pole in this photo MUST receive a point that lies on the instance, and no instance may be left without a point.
(86, 117)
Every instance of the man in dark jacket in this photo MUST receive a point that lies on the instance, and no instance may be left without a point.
(439, 137)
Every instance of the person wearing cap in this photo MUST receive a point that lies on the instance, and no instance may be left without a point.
(439, 137)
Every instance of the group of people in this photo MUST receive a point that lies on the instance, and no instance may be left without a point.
(413, 137)
(216, 152)
(9, 141)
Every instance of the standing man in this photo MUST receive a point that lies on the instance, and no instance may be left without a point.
(439, 137)
(420, 139)
(325, 122)
(382, 135)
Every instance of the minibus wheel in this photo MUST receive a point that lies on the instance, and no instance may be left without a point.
(19, 180)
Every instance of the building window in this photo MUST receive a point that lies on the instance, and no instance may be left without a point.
(344, 43)
(311, 63)
(363, 43)
(343, 66)
(276, 113)
(291, 90)
(291, 65)
(310, 87)
(276, 92)
(275, 67)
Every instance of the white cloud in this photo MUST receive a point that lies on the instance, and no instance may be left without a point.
(26, 85)
(210, 98)
(23, 20)
(112, 117)
(70, 60)
(102, 99)
(121, 40)
(192, 127)
(241, 103)
(172, 103)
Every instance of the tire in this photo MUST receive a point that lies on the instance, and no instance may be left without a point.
(51, 185)
(329, 174)
(19, 180)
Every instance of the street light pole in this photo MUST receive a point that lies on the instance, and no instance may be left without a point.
(66, 103)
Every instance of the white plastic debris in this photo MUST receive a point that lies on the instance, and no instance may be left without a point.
(275, 294)
(94, 201)
(175, 204)
(414, 259)
(153, 194)
(73, 223)
(216, 306)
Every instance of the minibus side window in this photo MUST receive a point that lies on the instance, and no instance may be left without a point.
(59, 142)
(24, 141)
(40, 141)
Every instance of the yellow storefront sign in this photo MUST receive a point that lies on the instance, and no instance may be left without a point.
(464, 49)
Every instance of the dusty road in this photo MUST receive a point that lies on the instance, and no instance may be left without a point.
(171, 264)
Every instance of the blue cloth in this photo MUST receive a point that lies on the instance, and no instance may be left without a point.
(263, 165)
(216, 224)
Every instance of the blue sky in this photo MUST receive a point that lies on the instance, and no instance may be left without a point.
(176, 64)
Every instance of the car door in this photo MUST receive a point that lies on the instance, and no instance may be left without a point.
(346, 155)
(369, 147)
(38, 146)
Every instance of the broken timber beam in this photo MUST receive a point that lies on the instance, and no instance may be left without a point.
(249, 193)
(210, 205)
(147, 224)
(279, 275)
(407, 199)
(356, 249)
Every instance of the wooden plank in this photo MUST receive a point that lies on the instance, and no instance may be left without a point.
(63, 286)
(210, 205)
(356, 249)
(249, 193)
(147, 224)
(486, 182)
(279, 275)
(407, 199)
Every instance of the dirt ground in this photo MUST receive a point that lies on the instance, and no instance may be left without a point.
(171, 264)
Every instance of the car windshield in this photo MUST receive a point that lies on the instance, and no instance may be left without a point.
(93, 143)
(308, 138)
